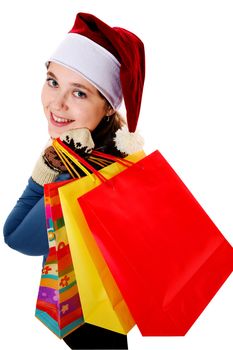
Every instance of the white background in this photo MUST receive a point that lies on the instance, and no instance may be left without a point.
(186, 113)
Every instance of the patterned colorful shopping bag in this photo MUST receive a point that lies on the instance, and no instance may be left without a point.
(58, 303)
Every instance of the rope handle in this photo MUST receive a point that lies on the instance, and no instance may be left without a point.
(66, 154)
(66, 162)
(121, 161)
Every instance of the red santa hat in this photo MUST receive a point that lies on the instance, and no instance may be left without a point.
(110, 58)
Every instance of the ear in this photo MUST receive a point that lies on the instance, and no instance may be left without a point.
(109, 111)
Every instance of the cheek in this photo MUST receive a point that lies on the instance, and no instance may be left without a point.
(95, 123)
(100, 114)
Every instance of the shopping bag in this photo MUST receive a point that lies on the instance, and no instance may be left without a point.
(58, 303)
(167, 256)
(101, 300)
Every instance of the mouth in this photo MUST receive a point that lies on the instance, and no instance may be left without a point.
(59, 121)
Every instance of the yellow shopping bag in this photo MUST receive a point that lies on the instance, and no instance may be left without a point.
(101, 300)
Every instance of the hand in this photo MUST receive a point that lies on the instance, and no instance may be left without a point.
(44, 172)
(49, 165)
(79, 140)
(53, 161)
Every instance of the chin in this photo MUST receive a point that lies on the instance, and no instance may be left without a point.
(53, 134)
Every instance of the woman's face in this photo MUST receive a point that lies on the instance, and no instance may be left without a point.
(70, 101)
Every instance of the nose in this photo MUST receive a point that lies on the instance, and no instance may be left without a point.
(60, 101)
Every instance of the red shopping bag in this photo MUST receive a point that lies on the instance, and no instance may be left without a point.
(165, 253)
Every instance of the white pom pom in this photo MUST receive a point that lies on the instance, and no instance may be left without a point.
(128, 142)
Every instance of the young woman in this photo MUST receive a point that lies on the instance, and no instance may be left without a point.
(89, 74)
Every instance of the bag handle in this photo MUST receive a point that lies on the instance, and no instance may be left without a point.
(66, 154)
(121, 161)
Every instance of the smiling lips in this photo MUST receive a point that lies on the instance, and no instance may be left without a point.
(59, 121)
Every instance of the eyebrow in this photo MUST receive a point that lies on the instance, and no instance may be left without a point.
(72, 84)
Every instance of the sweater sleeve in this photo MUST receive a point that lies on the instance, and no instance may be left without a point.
(25, 228)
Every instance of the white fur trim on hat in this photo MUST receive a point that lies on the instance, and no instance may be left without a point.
(93, 62)
(128, 142)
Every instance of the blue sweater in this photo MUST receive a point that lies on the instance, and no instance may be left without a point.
(25, 228)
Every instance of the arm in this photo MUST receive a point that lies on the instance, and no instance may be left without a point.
(25, 228)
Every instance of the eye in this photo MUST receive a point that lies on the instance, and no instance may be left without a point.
(80, 94)
(52, 82)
